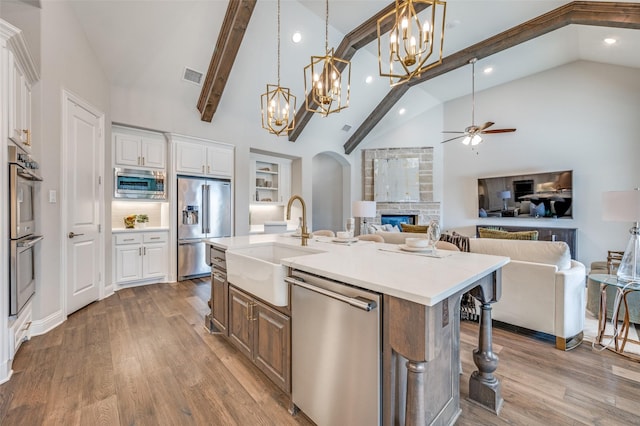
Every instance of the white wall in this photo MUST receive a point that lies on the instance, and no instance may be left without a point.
(69, 63)
(582, 117)
(327, 202)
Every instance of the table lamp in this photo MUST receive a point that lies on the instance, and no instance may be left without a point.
(624, 206)
(505, 195)
(363, 209)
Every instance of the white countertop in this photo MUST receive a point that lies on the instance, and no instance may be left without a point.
(382, 268)
(147, 229)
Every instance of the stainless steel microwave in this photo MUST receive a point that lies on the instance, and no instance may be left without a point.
(139, 184)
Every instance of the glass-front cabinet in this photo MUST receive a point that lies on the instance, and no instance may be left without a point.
(270, 179)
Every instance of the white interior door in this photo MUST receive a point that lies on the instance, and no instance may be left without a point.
(83, 198)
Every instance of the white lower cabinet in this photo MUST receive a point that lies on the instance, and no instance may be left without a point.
(20, 330)
(141, 256)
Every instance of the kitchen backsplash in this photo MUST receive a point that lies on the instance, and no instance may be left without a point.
(158, 213)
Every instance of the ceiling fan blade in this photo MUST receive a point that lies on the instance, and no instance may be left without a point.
(499, 131)
(485, 125)
(452, 139)
(449, 131)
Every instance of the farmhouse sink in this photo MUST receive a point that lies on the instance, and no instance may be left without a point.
(257, 270)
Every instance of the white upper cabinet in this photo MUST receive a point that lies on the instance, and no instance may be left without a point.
(140, 149)
(20, 110)
(204, 158)
(22, 75)
(219, 160)
(190, 158)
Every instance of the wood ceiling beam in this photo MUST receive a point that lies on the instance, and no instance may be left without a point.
(364, 34)
(607, 14)
(230, 37)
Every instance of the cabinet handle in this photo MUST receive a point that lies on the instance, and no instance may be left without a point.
(144, 251)
(128, 239)
(154, 238)
(28, 133)
(249, 311)
(203, 168)
(139, 251)
(138, 161)
(208, 169)
(143, 161)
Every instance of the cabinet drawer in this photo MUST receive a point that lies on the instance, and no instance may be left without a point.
(128, 239)
(155, 237)
(217, 258)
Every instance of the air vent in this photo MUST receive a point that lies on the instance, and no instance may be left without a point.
(346, 127)
(192, 76)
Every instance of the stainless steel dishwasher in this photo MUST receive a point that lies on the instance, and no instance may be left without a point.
(336, 351)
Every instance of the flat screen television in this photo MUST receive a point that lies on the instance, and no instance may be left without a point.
(539, 195)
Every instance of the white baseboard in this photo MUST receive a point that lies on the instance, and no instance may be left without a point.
(47, 324)
(108, 291)
(5, 372)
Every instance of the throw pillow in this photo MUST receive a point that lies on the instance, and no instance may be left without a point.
(537, 210)
(414, 228)
(505, 235)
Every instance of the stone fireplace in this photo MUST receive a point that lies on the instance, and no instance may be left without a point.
(424, 210)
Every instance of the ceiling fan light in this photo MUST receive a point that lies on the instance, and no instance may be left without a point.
(475, 140)
(466, 140)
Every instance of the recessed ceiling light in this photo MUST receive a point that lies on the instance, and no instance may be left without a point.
(296, 37)
(610, 40)
(369, 79)
(488, 70)
(402, 111)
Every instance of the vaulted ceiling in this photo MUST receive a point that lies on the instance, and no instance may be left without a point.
(145, 45)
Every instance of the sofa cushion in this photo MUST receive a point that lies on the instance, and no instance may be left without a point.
(399, 237)
(547, 252)
(505, 235)
(414, 228)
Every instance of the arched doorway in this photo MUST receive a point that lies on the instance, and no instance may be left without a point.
(331, 189)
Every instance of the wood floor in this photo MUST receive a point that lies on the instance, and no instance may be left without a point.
(143, 357)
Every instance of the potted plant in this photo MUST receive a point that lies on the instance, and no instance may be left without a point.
(142, 220)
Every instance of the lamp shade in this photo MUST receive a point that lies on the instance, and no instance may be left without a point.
(621, 206)
(363, 208)
(504, 195)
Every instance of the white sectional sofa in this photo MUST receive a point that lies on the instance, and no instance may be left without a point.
(399, 237)
(543, 289)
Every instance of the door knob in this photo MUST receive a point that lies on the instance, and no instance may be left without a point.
(71, 235)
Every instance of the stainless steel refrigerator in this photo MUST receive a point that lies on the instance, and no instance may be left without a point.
(204, 211)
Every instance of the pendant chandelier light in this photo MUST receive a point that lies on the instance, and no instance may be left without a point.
(327, 80)
(409, 50)
(278, 105)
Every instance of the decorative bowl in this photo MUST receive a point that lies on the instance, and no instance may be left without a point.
(417, 242)
(343, 235)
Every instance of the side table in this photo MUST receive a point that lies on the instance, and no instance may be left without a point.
(620, 333)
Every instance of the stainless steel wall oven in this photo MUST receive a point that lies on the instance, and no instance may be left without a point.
(23, 242)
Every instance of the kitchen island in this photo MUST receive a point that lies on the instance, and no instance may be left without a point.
(420, 323)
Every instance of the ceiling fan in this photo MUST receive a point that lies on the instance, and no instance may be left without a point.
(472, 133)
